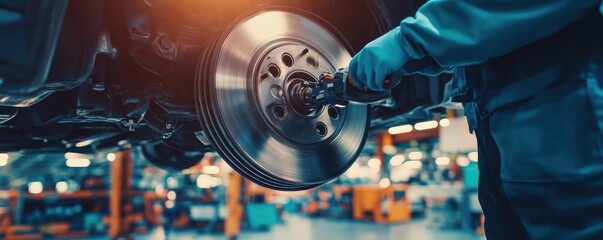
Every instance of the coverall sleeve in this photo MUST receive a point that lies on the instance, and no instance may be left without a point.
(465, 32)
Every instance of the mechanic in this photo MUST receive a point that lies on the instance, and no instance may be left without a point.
(530, 76)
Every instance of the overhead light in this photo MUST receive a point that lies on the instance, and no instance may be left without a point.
(211, 169)
(442, 161)
(77, 162)
(473, 156)
(3, 159)
(172, 182)
(111, 157)
(35, 187)
(215, 181)
(400, 129)
(445, 122)
(364, 172)
(462, 161)
(169, 204)
(401, 174)
(384, 183)
(397, 160)
(389, 149)
(69, 155)
(413, 164)
(84, 143)
(415, 155)
(62, 187)
(171, 195)
(204, 181)
(159, 189)
(374, 163)
(426, 125)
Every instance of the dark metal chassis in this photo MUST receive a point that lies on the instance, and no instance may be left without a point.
(87, 76)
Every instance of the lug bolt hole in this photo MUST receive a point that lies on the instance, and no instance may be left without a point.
(312, 62)
(279, 111)
(333, 113)
(287, 59)
(321, 129)
(274, 70)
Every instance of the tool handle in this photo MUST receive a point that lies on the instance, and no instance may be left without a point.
(388, 83)
(366, 95)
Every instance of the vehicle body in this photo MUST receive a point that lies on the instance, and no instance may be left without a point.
(88, 76)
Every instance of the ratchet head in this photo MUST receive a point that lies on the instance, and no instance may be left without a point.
(338, 89)
(344, 89)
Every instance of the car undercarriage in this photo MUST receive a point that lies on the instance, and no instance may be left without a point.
(181, 78)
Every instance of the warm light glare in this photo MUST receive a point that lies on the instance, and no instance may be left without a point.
(172, 182)
(169, 204)
(445, 122)
(204, 181)
(35, 187)
(400, 129)
(415, 155)
(353, 171)
(374, 163)
(397, 160)
(171, 195)
(215, 181)
(3, 159)
(69, 155)
(389, 149)
(442, 161)
(207, 181)
(462, 161)
(77, 162)
(365, 172)
(473, 156)
(211, 169)
(159, 189)
(426, 125)
(384, 183)
(111, 157)
(413, 164)
(62, 187)
(84, 143)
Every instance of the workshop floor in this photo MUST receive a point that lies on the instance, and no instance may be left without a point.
(303, 228)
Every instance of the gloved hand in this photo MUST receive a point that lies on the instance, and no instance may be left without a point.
(377, 60)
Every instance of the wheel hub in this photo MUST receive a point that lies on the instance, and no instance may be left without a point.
(254, 111)
(283, 70)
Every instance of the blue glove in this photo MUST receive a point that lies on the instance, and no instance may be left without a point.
(377, 60)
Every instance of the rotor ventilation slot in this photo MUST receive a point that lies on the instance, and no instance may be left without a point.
(312, 62)
(333, 113)
(274, 70)
(279, 111)
(288, 59)
(321, 129)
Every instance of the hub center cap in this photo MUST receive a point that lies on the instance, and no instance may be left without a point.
(284, 67)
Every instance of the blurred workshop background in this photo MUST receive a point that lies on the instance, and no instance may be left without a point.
(416, 181)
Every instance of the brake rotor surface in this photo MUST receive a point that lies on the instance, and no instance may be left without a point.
(245, 84)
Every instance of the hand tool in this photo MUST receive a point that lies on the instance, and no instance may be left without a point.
(338, 89)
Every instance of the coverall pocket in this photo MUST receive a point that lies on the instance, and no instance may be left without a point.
(551, 137)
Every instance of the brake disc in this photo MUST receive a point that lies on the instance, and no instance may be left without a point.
(245, 83)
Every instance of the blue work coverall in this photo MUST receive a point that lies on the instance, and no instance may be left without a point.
(530, 75)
